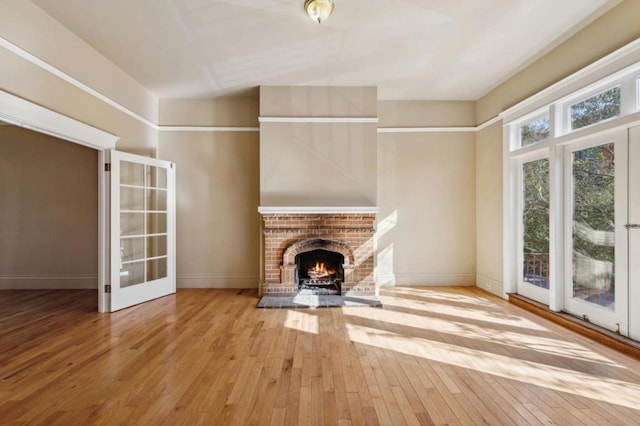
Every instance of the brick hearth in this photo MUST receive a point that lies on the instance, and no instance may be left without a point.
(288, 234)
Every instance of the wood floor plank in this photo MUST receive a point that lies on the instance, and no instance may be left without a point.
(430, 356)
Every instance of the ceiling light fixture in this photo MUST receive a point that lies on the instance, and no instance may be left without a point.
(319, 10)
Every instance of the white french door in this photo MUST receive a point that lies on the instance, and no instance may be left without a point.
(633, 230)
(596, 199)
(533, 227)
(142, 227)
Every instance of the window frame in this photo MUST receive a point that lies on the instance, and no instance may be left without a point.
(556, 102)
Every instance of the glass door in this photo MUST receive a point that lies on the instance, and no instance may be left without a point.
(533, 250)
(142, 229)
(595, 236)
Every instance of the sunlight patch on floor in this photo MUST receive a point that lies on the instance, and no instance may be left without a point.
(609, 390)
(490, 335)
(477, 314)
(302, 321)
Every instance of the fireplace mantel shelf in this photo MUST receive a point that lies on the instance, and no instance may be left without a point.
(312, 209)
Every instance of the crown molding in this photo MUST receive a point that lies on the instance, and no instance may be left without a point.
(336, 120)
(318, 119)
(206, 129)
(426, 129)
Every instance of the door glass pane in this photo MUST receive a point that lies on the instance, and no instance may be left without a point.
(131, 249)
(131, 173)
(131, 224)
(157, 177)
(131, 274)
(156, 199)
(131, 198)
(535, 216)
(593, 225)
(156, 269)
(156, 223)
(157, 246)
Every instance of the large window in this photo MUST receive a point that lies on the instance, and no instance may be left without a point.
(567, 177)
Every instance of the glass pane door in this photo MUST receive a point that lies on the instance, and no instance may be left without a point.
(596, 251)
(534, 244)
(143, 240)
(593, 221)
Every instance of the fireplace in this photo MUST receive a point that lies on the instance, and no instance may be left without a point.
(319, 272)
(324, 252)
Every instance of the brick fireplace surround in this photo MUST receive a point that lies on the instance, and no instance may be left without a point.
(288, 232)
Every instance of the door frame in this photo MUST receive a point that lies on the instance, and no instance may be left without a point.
(23, 113)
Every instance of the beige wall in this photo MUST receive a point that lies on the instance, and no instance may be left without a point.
(427, 113)
(489, 208)
(606, 34)
(28, 27)
(217, 178)
(48, 212)
(223, 112)
(318, 164)
(426, 225)
(318, 101)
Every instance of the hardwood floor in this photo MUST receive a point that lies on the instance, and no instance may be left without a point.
(430, 356)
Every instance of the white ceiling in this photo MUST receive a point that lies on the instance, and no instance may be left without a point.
(410, 49)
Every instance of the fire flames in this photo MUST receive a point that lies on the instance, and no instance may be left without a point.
(319, 270)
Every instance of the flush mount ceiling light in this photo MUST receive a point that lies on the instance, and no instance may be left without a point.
(319, 10)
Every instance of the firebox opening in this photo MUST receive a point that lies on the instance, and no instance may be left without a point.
(319, 272)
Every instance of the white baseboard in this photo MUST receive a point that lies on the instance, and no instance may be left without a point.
(217, 281)
(490, 285)
(424, 279)
(48, 282)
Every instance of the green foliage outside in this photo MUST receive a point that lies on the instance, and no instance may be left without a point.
(535, 131)
(595, 109)
(593, 172)
(536, 206)
(594, 181)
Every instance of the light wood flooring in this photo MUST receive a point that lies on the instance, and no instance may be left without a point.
(430, 356)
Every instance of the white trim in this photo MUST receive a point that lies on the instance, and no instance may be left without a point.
(555, 92)
(426, 129)
(307, 210)
(318, 119)
(48, 282)
(206, 129)
(458, 129)
(74, 82)
(489, 284)
(17, 111)
(488, 123)
(104, 188)
(78, 84)
(218, 281)
(424, 279)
